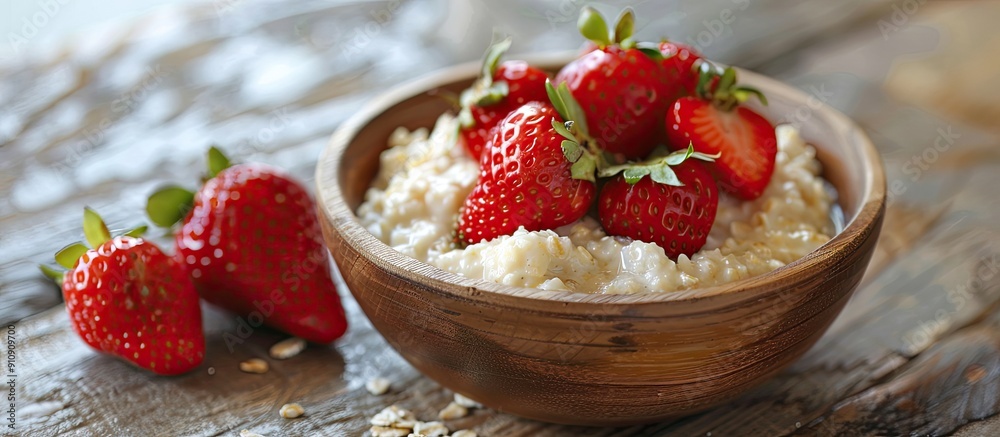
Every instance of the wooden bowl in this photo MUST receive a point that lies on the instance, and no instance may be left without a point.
(592, 359)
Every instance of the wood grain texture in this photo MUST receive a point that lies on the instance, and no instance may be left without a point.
(587, 359)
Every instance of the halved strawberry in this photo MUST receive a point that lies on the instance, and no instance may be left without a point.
(670, 201)
(714, 122)
(500, 89)
(621, 89)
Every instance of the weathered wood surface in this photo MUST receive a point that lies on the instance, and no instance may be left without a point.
(917, 351)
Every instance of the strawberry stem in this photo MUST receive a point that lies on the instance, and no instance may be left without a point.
(484, 92)
(567, 107)
(491, 61)
(578, 148)
(721, 87)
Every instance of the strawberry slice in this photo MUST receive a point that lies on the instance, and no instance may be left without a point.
(715, 123)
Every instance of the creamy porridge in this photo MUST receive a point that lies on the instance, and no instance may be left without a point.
(424, 179)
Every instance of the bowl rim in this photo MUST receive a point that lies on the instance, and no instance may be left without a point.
(333, 206)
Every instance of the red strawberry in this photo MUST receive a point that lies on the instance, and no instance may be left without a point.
(622, 90)
(714, 122)
(499, 90)
(679, 63)
(537, 172)
(252, 244)
(128, 299)
(674, 207)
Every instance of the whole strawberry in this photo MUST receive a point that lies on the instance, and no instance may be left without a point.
(127, 298)
(537, 172)
(680, 64)
(670, 201)
(251, 243)
(623, 91)
(500, 89)
(715, 121)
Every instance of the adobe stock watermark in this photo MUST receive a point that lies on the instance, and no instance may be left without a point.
(818, 97)
(278, 121)
(899, 17)
(362, 34)
(30, 26)
(566, 11)
(718, 27)
(263, 309)
(917, 164)
(223, 7)
(121, 106)
(959, 296)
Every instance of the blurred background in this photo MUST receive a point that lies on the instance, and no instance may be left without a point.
(101, 101)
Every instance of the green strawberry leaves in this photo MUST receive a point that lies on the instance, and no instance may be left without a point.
(136, 232)
(94, 229)
(584, 167)
(484, 91)
(53, 274)
(68, 255)
(594, 27)
(578, 147)
(169, 205)
(652, 53)
(658, 169)
(564, 129)
(624, 28)
(725, 93)
(96, 233)
(491, 61)
(217, 161)
(567, 107)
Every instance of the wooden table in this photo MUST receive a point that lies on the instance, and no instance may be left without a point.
(917, 350)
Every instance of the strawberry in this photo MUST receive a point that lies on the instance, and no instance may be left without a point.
(537, 171)
(680, 64)
(621, 88)
(500, 89)
(252, 244)
(715, 122)
(127, 298)
(674, 207)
